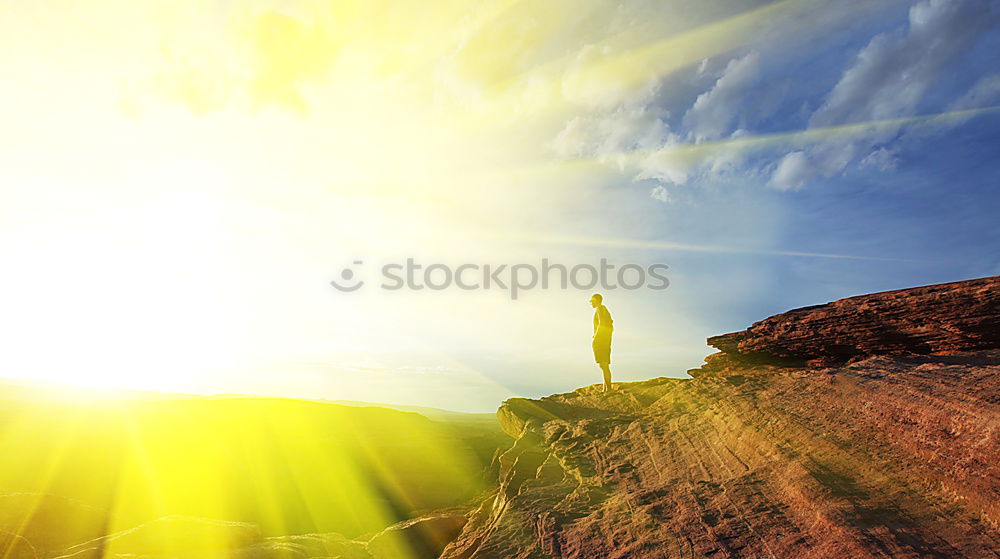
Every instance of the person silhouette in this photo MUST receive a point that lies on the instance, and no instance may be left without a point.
(603, 327)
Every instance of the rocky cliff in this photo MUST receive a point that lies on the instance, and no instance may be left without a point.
(959, 316)
(867, 427)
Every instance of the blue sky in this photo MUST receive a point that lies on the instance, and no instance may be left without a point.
(202, 170)
(922, 195)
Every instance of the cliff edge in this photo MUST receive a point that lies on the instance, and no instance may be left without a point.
(867, 427)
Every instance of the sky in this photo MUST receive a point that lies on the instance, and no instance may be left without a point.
(180, 181)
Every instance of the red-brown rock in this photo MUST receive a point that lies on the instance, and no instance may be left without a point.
(958, 316)
(889, 456)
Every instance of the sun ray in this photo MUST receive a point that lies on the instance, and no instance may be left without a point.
(611, 78)
(798, 138)
(691, 153)
(21, 438)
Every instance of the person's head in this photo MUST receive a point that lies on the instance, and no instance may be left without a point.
(596, 299)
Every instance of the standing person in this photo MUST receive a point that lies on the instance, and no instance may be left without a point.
(603, 327)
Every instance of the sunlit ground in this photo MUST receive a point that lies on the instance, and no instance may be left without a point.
(80, 466)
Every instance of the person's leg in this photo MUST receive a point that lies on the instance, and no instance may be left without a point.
(606, 369)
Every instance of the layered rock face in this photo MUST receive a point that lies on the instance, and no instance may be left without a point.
(958, 316)
(893, 455)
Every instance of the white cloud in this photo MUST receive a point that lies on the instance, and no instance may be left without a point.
(888, 79)
(881, 159)
(614, 132)
(891, 75)
(597, 90)
(984, 93)
(793, 171)
(715, 110)
(728, 159)
(676, 163)
(660, 193)
(668, 165)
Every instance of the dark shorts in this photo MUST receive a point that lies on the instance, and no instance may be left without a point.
(602, 347)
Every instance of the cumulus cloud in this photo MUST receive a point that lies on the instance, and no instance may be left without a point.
(792, 171)
(888, 79)
(677, 163)
(728, 158)
(719, 136)
(715, 110)
(892, 74)
(881, 159)
(659, 192)
(668, 165)
(618, 131)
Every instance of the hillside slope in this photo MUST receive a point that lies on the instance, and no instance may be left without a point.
(147, 474)
(769, 451)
